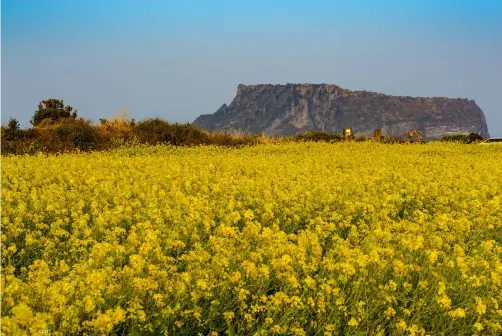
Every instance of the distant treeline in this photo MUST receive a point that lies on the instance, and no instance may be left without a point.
(57, 128)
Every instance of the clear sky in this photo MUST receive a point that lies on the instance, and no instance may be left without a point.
(179, 59)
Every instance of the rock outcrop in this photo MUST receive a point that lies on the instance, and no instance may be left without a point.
(281, 110)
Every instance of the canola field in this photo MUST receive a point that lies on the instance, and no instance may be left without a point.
(276, 239)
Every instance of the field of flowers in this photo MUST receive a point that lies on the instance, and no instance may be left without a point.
(276, 239)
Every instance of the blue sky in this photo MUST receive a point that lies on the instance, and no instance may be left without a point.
(180, 59)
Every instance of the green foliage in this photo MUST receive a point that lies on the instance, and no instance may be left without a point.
(34, 148)
(463, 138)
(77, 132)
(13, 125)
(59, 130)
(475, 137)
(153, 131)
(390, 139)
(361, 138)
(52, 109)
(317, 136)
(11, 132)
(85, 138)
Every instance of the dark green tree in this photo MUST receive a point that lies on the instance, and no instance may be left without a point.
(474, 137)
(53, 109)
(13, 125)
(11, 132)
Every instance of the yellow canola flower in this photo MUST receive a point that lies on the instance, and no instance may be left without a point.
(390, 312)
(480, 306)
(22, 314)
(229, 316)
(285, 238)
(457, 313)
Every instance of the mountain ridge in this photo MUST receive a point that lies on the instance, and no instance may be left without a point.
(289, 109)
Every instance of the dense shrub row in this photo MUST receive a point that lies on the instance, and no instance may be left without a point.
(70, 134)
(463, 138)
(57, 128)
(318, 136)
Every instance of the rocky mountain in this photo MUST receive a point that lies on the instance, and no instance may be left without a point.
(290, 109)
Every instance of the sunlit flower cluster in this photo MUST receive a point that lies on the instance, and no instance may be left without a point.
(276, 239)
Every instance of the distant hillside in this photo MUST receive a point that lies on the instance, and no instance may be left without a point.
(295, 108)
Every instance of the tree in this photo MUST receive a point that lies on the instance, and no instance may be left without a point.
(53, 109)
(13, 125)
(474, 137)
(11, 132)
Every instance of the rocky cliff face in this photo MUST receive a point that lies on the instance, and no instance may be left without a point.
(294, 108)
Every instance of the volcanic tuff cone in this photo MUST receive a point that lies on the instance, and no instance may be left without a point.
(278, 110)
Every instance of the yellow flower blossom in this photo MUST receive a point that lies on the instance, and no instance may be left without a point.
(229, 316)
(390, 312)
(22, 313)
(284, 237)
(480, 306)
(457, 313)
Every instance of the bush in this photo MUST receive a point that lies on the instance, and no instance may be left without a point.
(390, 139)
(13, 125)
(475, 137)
(462, 138)
(85, 138)
(234, 139)
(11, 132)
(15, 139)
(317, 136)
(118, 127)
(153, 131)
(361, 138)
(69, 134)
(26, 133)
(52, 109)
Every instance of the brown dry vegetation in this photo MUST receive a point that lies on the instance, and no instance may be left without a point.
(69, 134)
(72, 134)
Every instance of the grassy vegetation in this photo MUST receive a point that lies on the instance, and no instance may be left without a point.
(462, 138)
(77, 134)
(57, 129)
(71, 134)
